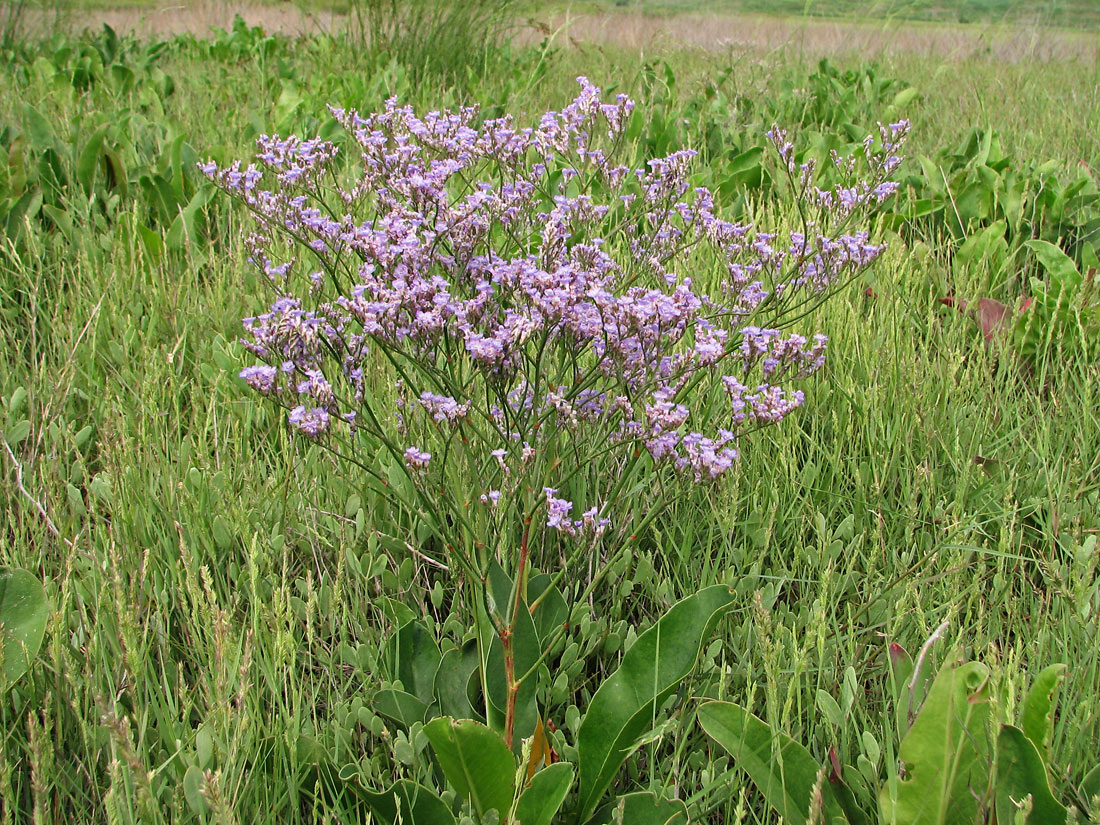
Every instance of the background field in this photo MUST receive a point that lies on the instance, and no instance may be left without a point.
(220, 589)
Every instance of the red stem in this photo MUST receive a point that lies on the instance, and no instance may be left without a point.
(506, 639)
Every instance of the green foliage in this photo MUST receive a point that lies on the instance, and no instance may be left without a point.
(540, 803)
(1064, 316)
(627, 704)
(949, 769)
(23, 614)
(946, 753)
(783, 770)
(476, 762)
(1022, 781)
(237, 660)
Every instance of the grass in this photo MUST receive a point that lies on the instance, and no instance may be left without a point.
(217, 604)
(1071, 13)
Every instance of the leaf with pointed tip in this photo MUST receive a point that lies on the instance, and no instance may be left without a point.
(23, 615)
(405, 802)
(1021, 773)
(476, 762)
(400, 707)
(451, 680)
(946, 753)
(901, 675)
(626, 704)
(414, 659)
(783, 770)
(1038, 705)
(641, 808)
(1090, 785)
(544, 795)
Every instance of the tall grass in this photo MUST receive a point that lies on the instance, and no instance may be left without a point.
(457, 43)
(220, 593)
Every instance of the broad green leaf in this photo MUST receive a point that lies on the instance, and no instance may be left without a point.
(626, 704)
(901, 677)
(23, 615)
(544, 795)
(451, 678)
(641, 808)
(745, 171)
(151, 242)
(38, 128)
(1057, 264)
(782, 769)
(18, 433)
(23, 209)
(405, 802)
(89, 159)
(414, 659)
(1035, 717)
(400, 707)
(1090, 785)
(1020, 773)
(985, 246)
(552, 611)
(476, 762)
(904, 98)
(192, 790)
(946, 753)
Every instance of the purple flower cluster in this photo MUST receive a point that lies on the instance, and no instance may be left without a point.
(535, 294)
(589, 525)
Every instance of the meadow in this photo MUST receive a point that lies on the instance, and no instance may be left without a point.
(213, 613)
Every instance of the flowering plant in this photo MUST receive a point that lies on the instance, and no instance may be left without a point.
(556, 331)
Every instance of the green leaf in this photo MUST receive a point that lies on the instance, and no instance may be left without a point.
(23, 615)
(89, 159)
(544, 794)
(525, 650)
(476, 762)
(405, 802)
(946, 753)
(1090, 785)
(414, 659)
(38, 128)
(552, 611)
(745, 171)
(400, 707)
(641, 808)
(1020, 773)
(626, 704)
(904, 98)
(451, 678)
(782, 769)
(192, 790)
(1038, 706)
(1057, 264)
(151, 241)
(18, 432)
(901, 676)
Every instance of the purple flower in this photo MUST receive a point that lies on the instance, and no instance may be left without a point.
(417, 459)
(261, 378)
(557, 512)
(310, 422)
(443, 408)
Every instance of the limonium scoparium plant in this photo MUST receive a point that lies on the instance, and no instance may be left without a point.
(515, 334)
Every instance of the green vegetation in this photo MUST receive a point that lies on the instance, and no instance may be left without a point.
(228, 614)
(1082, 14)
